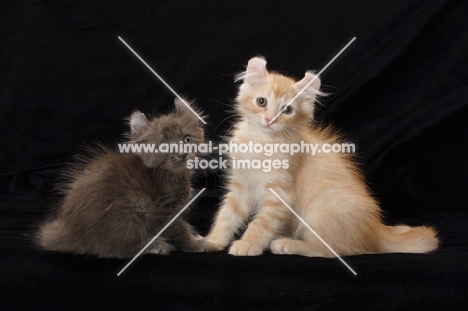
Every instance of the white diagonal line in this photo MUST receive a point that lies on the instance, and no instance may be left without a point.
(311, 81)
(160, 232)
(162, 80)
(312, 230)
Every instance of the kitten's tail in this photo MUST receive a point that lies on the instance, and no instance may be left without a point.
(52, 235)
(406, 239)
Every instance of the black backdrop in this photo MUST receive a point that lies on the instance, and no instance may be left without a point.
(399, 92)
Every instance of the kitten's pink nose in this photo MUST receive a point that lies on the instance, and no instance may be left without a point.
(268, 120)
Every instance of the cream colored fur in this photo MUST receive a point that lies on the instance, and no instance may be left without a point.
(326, 190)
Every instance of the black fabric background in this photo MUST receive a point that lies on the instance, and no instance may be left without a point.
(399, 92)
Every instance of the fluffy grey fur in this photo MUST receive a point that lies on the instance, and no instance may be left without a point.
(114, 204)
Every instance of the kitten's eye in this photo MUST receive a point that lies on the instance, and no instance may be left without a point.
(261, 102)
(187, 139)
(287, 110)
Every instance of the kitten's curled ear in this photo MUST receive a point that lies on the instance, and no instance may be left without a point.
(183, 110)
(138, 124)
(180, 106)
(256, 72)
(314, 87)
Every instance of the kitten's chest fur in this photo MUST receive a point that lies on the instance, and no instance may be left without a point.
(255, 180)
(168, 186)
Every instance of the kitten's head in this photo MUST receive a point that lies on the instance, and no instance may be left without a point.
(180, 127)
(264, 94)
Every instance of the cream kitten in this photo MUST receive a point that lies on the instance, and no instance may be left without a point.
(326, 190)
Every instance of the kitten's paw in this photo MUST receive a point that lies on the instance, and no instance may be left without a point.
(283, 246)
(213, 245)
(197, 244)
(160, 248)
(243, 248)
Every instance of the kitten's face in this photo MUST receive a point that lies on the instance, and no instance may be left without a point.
(263, 95)
(179, 127)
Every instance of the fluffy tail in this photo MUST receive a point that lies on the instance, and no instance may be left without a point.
(405, 239)
(52, 235)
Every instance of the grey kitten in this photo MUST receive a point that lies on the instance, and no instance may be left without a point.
(115, 203)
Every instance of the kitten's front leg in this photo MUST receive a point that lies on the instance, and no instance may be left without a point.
(185, 238)
(232, 214)
(261, 231)
(160, 247)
